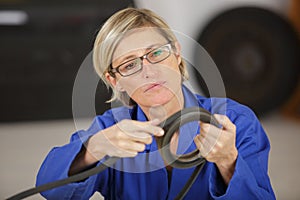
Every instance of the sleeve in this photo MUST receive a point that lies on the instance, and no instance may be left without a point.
(250, 179)
(57, 164)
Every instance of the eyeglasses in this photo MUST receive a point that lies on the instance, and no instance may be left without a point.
(135, 65)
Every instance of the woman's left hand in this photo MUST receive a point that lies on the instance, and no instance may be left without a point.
(217, 145)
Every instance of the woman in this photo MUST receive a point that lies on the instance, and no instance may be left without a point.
(137, 55)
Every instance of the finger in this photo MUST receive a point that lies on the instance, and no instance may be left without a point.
(142, 137)
(155, 122)
(209, 137)
(132, 126)
(225, 122)
(119, 149)
(151, 127)
(128, 145)
(209, 130)
(203, 145)
(134, 134)
(204, 128)
(123, 153)
(197, 142)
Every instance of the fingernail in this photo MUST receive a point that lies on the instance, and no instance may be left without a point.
(162, 132)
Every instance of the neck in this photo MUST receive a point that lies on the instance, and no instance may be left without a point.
(162, 112)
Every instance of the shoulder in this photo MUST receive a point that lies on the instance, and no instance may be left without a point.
(238, 113)
(223, 106)
(247, 124)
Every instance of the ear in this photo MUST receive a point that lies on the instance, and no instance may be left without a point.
(113, 81)
(110, 79)
(178, 52)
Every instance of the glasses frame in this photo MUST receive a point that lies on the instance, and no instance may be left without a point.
(112, 70)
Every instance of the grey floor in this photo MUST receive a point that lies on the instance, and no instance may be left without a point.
(23, 147)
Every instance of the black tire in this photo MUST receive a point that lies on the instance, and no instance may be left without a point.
(257, 53)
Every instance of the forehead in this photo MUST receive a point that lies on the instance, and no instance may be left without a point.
(138, 39)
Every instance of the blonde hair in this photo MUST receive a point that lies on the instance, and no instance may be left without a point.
(110, 35)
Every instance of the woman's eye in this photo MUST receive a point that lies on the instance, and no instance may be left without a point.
(157, 52)
(130, 66)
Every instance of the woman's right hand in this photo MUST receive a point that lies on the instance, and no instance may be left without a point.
(124, 139)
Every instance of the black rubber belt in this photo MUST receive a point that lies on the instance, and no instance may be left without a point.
(192, 159)
(171, 125)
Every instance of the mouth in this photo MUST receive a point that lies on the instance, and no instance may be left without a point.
(154, 86)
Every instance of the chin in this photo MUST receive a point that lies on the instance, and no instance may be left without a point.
(158, 102)
(160, 99)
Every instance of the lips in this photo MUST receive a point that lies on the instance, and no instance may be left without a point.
(154, 86)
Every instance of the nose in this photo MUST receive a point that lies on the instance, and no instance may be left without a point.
(145, 60)
(149, 70)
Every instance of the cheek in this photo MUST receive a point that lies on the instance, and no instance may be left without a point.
(171, 73)
(129, 85)
(172, 67)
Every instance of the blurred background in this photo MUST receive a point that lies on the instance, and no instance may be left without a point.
(255, 45)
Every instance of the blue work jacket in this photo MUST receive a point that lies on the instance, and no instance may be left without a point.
(145, 176)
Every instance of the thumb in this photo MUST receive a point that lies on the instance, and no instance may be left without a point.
(156, 129)
(154, 122)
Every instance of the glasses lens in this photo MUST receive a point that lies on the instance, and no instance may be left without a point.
(130, 67)
(159, 54)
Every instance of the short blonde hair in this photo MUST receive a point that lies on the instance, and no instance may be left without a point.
(110, 35)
